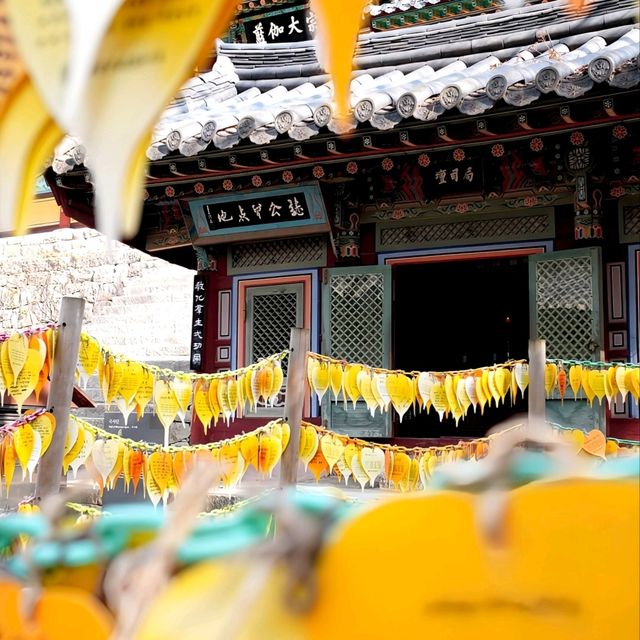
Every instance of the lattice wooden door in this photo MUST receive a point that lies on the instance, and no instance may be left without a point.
(356, 326)
(566, 302)
(566, 311)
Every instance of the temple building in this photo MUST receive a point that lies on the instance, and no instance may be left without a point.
(485, 189)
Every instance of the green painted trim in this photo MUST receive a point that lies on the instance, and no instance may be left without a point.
(435, 13)
(271, 14)
(268, 5)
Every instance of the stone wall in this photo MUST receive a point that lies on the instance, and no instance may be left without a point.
(136, 305)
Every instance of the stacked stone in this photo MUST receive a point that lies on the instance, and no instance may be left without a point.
(136, 304)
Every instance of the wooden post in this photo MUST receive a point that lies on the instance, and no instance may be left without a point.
(60, 393)
(294, 403)
(600, 415)
(537, 361)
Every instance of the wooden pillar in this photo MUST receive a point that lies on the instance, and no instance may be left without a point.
(537, 361)
(294, 403)
(60, 393)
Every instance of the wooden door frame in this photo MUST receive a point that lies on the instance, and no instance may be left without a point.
(450, 254)
(458, 254)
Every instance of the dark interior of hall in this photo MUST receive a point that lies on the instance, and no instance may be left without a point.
(460, 315)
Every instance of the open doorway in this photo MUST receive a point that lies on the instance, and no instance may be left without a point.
(460, 315)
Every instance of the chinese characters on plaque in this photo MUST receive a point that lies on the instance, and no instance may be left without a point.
(198, 327)
(258, 211)
(454, 175)
(292, 26)
(261, 213)
(458, 177)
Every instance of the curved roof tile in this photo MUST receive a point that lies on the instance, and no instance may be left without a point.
(221, 108)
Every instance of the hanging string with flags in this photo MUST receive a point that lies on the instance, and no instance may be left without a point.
(455, 393)
(26, 362)
(452, 393)
(599, 380)
(159, 470)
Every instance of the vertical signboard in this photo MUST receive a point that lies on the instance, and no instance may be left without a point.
(198, 322)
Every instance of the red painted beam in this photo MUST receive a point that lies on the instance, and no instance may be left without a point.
(400, 149)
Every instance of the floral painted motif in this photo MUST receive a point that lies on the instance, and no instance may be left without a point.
(459, 155)
(497, 150)
(287, 176)
(318, 172)
(198, 187)
(620, 132)
(256, 181)
(462, 207)
(169, 191)
(617, 191)
(530, 201)
(227, 185)
(577, 138)
(352, 167)
(387, 164)
(536, 144)
(424, 160)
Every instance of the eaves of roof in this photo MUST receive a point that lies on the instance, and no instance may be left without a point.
(513, 57)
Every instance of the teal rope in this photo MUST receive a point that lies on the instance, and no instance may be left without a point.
(111, 534)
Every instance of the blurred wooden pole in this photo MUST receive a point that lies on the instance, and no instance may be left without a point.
(294, 403)
(65, 360)
(537, 361)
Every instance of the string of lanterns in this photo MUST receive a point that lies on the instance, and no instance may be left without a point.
(449, 393)
(159, 470)
(325, 453)
(131, 385)
(109, 457)
(594, 379)
(26, 361)
(455, 393)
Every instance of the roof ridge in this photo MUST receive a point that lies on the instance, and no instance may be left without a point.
(280, 60)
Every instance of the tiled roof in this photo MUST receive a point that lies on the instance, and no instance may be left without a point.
(261, 92)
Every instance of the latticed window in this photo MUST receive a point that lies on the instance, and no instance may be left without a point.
(630, 223)
(357, 317)
(272, 311)
(565, 306)
(469, 231)
(253, 257)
